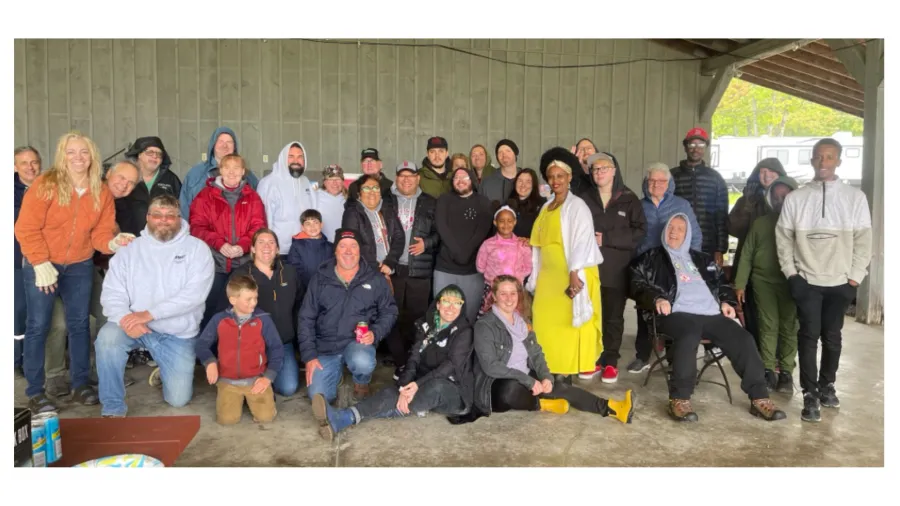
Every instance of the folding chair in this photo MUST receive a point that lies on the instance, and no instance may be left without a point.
(660, 343)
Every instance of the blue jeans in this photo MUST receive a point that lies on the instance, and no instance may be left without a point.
(288, 379)
(74, 288)
(359, 359)
(19, 315)
(174, 356)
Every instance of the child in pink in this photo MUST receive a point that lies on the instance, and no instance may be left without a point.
(503, 253)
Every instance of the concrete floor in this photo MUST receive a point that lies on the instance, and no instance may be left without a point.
(725, 436)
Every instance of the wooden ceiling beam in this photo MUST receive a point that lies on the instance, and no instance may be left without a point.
(801, 94)
(717, 45)
(818, 61)
(682, 46)
(751, 52)
(852, 55)
(844, 81)
(806, 87)
(821, 84)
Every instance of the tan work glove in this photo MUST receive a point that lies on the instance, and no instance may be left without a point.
(45, 275)
(120, 240)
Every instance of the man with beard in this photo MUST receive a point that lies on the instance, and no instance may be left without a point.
(435, 176)
(464, 219)
(498, 186)
(153, 161)
(154, 296)
(370, 164)
(705, 189)
(286, 193)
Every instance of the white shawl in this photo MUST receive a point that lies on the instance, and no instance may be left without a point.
(581, 252)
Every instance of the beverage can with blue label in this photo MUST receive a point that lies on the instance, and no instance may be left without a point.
(52, 435)
(38, 443)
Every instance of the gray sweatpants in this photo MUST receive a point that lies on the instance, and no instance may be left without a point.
(472, 286)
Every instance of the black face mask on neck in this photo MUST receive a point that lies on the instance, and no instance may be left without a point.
(296, 170)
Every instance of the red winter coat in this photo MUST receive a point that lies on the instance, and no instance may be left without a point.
(214, 222)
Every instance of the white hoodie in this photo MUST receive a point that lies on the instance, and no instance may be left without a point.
(169, 279)
(331, 207)
(286, 197)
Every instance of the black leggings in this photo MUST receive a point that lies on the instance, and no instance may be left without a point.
(509, 394)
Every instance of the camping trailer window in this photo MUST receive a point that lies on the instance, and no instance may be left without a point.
(805, 155)
(780, 154)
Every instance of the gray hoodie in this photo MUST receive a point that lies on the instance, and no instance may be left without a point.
(406, 211)
(693, 296)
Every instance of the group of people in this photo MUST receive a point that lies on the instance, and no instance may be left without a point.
(487, 295)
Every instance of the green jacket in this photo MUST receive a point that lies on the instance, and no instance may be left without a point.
(759, 258)
(433, 183)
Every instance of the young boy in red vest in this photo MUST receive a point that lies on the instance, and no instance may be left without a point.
(250, 354)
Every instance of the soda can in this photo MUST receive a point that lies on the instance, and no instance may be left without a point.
(38, 443)
(52, 435)
(361, 329)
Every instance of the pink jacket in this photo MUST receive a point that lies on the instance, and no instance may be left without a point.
(504, 256)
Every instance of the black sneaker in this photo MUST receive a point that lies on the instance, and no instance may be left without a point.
(41, 404)
(57, 387)
(638, 366)
(810, 411)
(828, 397)
(142, 357)
(771, 379)
(785, 383)
(399, 372)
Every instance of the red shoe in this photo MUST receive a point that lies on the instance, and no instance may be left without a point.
(590, 374)
(610, 374)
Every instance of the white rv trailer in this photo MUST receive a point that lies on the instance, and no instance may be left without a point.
(735, 157)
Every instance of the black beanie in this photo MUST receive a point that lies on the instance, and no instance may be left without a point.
(507, 142)
(345, 233)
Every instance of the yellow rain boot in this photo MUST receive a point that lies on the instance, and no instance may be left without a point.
(622, 410)
(558, 406)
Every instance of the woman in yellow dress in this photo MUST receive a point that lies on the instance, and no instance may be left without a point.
(565, 279)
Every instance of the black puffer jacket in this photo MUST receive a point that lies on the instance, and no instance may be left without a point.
(705, 189)
(356, 218)
(622, 224)
(424, 226)
(751, 205)
(430, 359)
(653, 277)
(493, 347)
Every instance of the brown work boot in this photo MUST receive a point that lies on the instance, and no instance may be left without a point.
(682, 411)
(360, 391)
(766, 409)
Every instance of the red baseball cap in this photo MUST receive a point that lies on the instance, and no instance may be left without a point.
(696, 133)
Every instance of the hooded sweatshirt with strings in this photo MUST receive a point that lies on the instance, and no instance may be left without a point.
(286, 197)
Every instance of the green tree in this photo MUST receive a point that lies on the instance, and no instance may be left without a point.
(748, 110)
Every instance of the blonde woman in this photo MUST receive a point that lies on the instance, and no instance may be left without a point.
(331, 200)
(459, 161)
(67, 215)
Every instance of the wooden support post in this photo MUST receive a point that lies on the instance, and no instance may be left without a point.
(713, 95)
(852, 55)
(870, 296)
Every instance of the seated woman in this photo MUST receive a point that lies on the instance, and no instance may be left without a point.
(510, 370)
(438, 376)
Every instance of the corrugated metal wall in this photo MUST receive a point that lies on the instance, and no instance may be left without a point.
(339, 99)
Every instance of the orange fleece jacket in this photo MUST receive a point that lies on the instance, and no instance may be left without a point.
(65, 235)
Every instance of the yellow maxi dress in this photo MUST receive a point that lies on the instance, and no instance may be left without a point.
(568, 350)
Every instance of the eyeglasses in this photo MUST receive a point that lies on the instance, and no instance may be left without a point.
(369, 189)
(448, 303)
(695, 145)
(462, 178)
(164, 216)
(153, 153)
(604, 169)
(658, 182)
